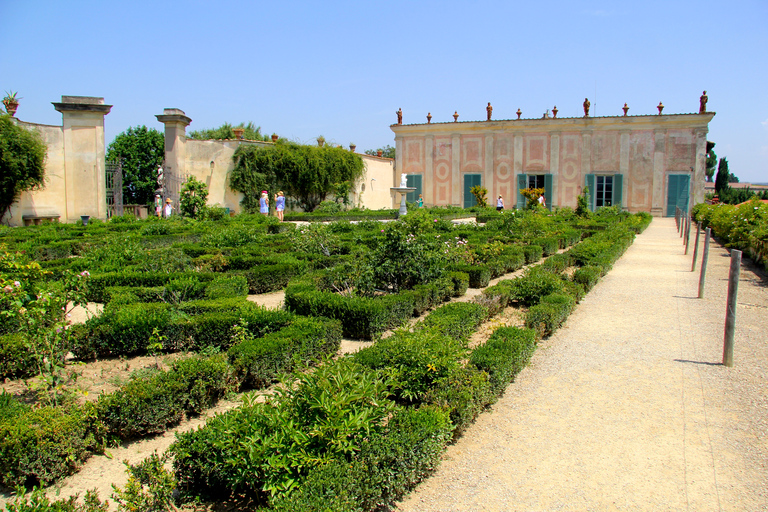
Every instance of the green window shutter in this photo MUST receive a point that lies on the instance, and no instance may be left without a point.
(617, 184)
(413, 180)
(548, 190)
(589, 182)
(522, 182)
(471, 180)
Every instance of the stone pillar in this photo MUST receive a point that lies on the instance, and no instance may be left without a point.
(586, 156)
(488, 181)
(456, 170)
(397, 169)
(429, 170)
(699, 170)
(176, 123)
(624, 168)
(84, 154)
(554, 167)
(658, 199)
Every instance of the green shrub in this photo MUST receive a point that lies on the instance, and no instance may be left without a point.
(259, 362)
(267, 447)
(533, 253)
(388, 466)
(204, 381)
(226, 286)
(413, 362)
(535, 284)
(37, 501)
(269, 278)
(464, 393)
(479, 275)
(504, 355)
(40, 446)
(549, 245)
(587, 276)
(497, 297)
(557, 263)
(146, 405)
(549, 314)
(16, 360)
(460, 282)
(459, 320)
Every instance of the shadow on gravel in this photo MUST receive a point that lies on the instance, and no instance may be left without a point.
(697, 362)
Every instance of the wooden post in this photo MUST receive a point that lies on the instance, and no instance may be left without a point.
(687, 235)
(704, 258)
(730, 311)
(682, 223)
(696, 246)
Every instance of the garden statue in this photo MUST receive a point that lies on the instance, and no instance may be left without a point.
(399, 116)
(489, 110)
(703, 103)
(586, 107)
(403, 180)
(160, 180)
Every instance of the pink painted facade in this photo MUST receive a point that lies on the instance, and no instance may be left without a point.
(645, 158)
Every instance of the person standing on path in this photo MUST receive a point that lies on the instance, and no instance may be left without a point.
(499, 204)
(280, 205)
(421, 201)
(168, 209)
(264, 203)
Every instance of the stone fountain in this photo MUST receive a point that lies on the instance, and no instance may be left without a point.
(403, 189)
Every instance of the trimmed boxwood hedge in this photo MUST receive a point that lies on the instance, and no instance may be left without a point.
(16, 360)
(504, 355)
(259, 362)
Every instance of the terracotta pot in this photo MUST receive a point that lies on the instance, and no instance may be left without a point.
(274, 137)
(11, 108)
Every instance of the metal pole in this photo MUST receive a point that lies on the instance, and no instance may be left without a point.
(704, 258)
(696, 246)
(730, 312)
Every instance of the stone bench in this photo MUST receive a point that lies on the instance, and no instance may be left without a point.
(36, 220)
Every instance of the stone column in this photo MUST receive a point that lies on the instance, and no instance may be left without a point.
(699, 170)
(176, 123)
(624, 168)
(456, 170)
(658, 199)
(554, 166)
(488, 181)
(84, 155)
(429, 170)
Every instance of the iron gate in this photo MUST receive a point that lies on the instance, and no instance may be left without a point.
(114, 176)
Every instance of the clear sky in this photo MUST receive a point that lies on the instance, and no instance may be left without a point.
(342, 69)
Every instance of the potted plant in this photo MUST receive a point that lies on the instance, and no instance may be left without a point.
(11, 102)
(352, 146)
(320, 141)
(274, 137)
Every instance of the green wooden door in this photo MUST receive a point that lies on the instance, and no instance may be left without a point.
(471, 180)
(548, 190)
(413, 180)
(678, 193)
(589, 182)
(522, 183)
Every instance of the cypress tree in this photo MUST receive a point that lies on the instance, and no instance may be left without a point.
(721, 180)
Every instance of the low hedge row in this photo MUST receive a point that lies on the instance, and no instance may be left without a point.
(549, 314)
(258, 362)
(457, 320)
(98, 283)
(479, 275)
(16, 360)
(125, 329)
(504, 355)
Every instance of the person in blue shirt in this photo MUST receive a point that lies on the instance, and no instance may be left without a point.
(280, 205)
(264, 203)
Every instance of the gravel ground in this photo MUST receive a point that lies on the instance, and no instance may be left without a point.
(627, 407)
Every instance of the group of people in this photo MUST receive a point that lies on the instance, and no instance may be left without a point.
(163, 211)
(279, 204)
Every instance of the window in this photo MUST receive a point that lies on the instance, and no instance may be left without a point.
(604, 191)
(413, 180)
(536, 181)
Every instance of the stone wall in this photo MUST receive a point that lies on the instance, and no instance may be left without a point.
(75, 184)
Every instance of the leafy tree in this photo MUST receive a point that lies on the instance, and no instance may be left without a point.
(142, 150)
(711, 161)
(194, 195)
(308, 174)
(386, 152)
(22, 162)
(723, 175)
(227, 131)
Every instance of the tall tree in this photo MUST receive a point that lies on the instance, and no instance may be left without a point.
(723, 175)
(142, 150)
(711, 161)
(22, 162)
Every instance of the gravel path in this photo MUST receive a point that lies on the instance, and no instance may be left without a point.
(627, 407)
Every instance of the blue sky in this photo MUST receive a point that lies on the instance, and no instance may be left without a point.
(342, 69)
